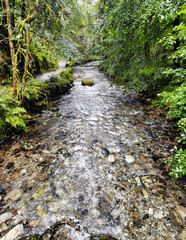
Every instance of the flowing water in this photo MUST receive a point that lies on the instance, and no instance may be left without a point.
(48, 75)
(90, 165)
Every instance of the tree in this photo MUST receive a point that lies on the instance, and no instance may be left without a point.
(12, 49)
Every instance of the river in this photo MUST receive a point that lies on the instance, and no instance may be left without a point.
(90, 168)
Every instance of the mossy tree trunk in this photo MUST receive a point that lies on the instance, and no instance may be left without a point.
(12, 49)
(28, 20)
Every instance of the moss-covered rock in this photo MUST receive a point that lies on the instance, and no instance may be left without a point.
(96, 237)
(87, 82)
(37, 93)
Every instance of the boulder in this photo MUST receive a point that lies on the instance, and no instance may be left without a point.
(87, 82)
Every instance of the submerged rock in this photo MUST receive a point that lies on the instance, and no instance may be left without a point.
(129, 158)
(96, 237)
(14, 233)
(2, 190)
(6, 216)
(111, 158)
(87, 83)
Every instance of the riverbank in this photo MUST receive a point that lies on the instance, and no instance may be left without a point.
(38, 94)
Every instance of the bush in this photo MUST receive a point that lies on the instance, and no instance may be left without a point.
(11, 114)
(177, 163)
(175, 101)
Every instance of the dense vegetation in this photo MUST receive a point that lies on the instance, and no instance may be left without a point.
(143, 47)
(35, 35)
(141, 43)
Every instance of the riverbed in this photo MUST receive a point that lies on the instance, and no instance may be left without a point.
(91, 168)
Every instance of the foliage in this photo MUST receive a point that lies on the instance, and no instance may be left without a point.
(32, 93)
(139, 39)
(177, 163)
(11, 114)
(142, 44)
(175, 101)
(60, 83)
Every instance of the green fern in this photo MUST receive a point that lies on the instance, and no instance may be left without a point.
(11, 115)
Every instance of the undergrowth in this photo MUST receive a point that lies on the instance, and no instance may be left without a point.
(13, 109)
(174, 99)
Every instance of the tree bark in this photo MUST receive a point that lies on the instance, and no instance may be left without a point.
(12, 49)
(23, 9)
(29, 19)
(177, 42)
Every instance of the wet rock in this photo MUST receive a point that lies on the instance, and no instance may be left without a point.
(151, 211)
(111, 158)
(33, 223)
(159, 192)
(129, 159)
(63, 231)
(102, 237)
(17, 219)
(2, 190)
(14, 233)
(10, 165)
(147, 181)
(14, 194)
(43, 177)
(4, 227)
(87, 82)
(114, 133)
(41, 211)
(182, 211)
(138, 180)
(95, 212)
(145, 194)
(47, 234)
(6, 216)
(156, 157)
(176, 218)
(158, 214)
(182, 235)
(104, 206)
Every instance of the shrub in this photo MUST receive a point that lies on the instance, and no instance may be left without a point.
(11, 114)
(175, 102)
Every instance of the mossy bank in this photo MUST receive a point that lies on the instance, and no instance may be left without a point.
(16, 112)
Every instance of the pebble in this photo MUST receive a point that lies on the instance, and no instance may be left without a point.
(4, 227)
(14, 195)
(176, 218)
(2, 190)
(111, 158)
(151, 211)
(158, 214)
(6, 216)
(17, 219)
(138, 180)
(129, 158)
(144, 193)
(14, 233)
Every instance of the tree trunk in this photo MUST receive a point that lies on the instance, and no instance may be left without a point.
(177, 42)
(26, 57)
(12, 49)
(146, 45)
(29, 19)
(23, 9)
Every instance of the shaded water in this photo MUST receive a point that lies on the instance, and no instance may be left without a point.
(89, 164)
(48, 75)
